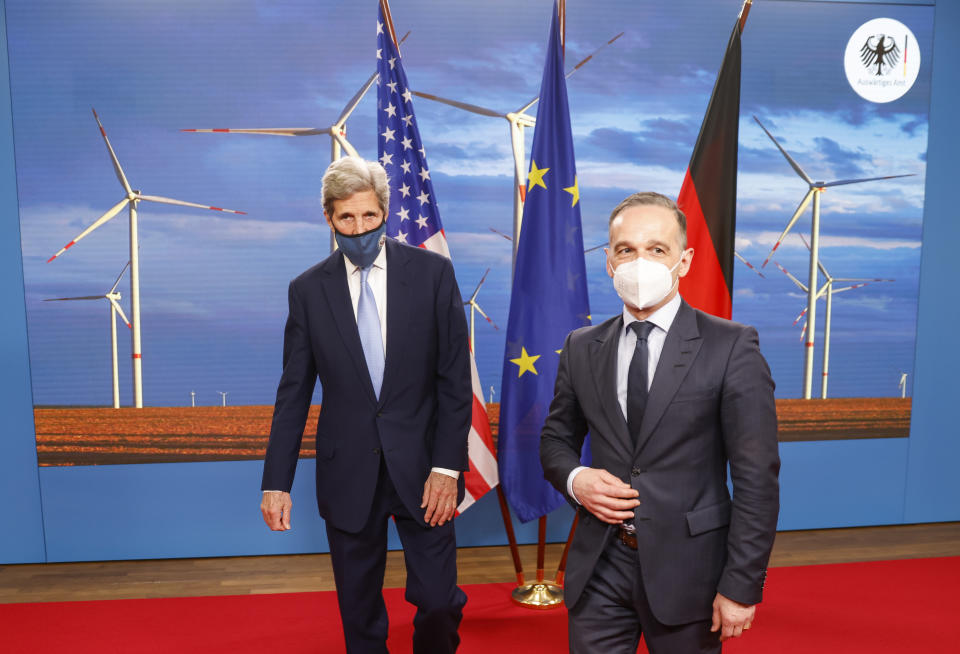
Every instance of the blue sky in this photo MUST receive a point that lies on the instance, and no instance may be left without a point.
(214, 285)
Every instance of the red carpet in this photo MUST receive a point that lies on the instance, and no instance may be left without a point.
(887, 606)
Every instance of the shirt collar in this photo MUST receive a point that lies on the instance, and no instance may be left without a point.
(379, 262)
(662, 317)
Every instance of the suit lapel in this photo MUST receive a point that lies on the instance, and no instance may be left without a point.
(679, 350)
(398, 314)
(341, 308)
(604, 350)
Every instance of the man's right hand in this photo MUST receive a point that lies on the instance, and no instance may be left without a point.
(275, 508)
(606, 496)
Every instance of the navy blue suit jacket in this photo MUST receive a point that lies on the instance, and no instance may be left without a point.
(422, 418)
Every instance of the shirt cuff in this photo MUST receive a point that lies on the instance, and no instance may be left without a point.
(573, 473)
(272, 491)
(446, 471)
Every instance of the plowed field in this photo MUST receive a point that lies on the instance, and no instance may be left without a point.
(97, 436)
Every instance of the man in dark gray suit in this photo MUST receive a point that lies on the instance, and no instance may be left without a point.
(671, 396)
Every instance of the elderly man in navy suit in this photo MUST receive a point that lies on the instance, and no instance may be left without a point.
(381, 325)
(671, 397)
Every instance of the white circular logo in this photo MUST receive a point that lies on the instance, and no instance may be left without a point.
(882, 60)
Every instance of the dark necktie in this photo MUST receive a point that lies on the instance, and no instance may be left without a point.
(637, 378)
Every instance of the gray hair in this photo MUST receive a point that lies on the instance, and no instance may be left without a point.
(650, 198)
(350, 175)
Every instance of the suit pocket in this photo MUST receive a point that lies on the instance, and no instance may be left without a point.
(709, 518)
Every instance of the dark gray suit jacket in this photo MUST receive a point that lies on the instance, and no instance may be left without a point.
(711, 403)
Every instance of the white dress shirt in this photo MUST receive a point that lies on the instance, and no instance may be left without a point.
(377, 279)
(662, 318)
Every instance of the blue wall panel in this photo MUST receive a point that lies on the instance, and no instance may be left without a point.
(210, 509)
(20, 508)
(933, 485)
(842, 483)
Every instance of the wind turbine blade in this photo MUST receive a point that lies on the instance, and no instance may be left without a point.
(862, 279)
(796, 281)
(477, 289)
(113, 156)
(800, 317)
(803, 331)
(355, 100)
(270, 131)
(102, 219)
(83, 297)
(793, 219)
(163, 200)
(116, 305)
(843, 182)
(850, 288)
(573, 70)
(820, 265)
(596, 247)
(119, 277)
(480, 311)
(344, 143)
(460, 105)
(748, 264)
(497, 231)
(796, 167)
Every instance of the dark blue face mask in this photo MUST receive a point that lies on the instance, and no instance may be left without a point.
(363, 248)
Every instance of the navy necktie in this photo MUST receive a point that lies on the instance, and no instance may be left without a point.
(637, 378)
(368, 324)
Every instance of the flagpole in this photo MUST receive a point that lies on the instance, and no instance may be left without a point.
(388, 19)
(744, 12)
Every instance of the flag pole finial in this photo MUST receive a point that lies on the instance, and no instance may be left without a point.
(744, 12)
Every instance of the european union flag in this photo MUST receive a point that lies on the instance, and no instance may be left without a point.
(549, 296)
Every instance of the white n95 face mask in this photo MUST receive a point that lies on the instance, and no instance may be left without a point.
(641, 283)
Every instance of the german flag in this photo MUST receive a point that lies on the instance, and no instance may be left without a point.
(708, 196)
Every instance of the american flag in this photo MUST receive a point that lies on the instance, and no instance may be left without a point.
(414, 219)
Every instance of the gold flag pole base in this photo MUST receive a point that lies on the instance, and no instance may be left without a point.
(538, 595)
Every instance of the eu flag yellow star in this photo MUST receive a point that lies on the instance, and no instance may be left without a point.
(574, 191)
(525, 362)
(536, 176)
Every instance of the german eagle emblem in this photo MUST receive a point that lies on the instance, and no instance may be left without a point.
(881, 51)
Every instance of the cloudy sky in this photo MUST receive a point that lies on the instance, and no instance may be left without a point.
(214, 285)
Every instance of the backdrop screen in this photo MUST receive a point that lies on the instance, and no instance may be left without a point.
(212, 284)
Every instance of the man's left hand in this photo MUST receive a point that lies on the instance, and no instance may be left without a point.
(439, 498)
(730, 617)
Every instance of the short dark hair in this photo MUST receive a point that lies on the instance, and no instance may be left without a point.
(651, 198)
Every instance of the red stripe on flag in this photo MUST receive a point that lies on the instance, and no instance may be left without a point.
(473, 480)
(704, 286)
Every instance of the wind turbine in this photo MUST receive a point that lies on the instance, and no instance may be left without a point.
(133, 197)
(113, 297)
(337, 131)
(223, 398)
(193, 398)
(828, 291)
(748, 264)
(510, 238)
(903, 385)
(814, 190)
(475, 307)
(519, 120)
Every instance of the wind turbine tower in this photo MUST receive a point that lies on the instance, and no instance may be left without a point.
(475, 308)
(223, 398)
(903, 385)
(132, 198)
(814, 190)
(193, 398)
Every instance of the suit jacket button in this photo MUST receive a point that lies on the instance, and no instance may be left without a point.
(636, 472)
(379, 413)
(376, 450)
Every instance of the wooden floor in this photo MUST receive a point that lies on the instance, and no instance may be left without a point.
(300, 573)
